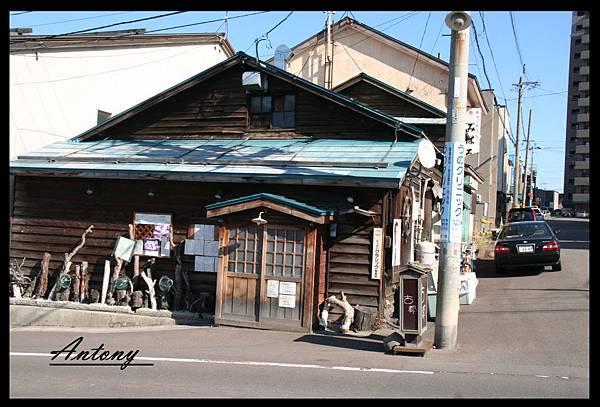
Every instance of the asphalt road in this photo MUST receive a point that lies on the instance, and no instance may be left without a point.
(525, 336)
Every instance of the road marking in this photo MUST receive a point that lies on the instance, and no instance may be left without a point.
(250, 363)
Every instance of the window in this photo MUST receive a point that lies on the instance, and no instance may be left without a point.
(576, 69)
(579, 27)
(276, 111)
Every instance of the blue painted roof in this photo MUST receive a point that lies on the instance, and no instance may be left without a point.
(277, 198)
(319, 161)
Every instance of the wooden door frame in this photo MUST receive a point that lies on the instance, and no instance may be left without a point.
(308, 281)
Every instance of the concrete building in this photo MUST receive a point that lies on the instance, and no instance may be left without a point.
(115, 70)
(577, 147)
(548, 199)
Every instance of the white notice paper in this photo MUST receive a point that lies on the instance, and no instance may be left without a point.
(198, 232)
(286, 287)
(209, 232)
(189, 247)
(272, 288)
(197, 263)
(287, 301)
(211, 248)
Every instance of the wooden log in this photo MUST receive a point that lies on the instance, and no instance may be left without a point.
(105, 281)
(67, 263)
(137, 299)
(136, 259)
(42, 284)
(364, 318)
(348, 311)
(115, 274)
(85, 281)
(77, 284)
(150, 283)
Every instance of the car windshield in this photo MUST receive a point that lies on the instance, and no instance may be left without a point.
(520, 215)
(525, 230)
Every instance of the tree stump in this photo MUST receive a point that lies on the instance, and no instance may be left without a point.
(137, 299)
(42, 283)
(364, 318)
(94, 296)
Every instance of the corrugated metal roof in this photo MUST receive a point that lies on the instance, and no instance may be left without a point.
(277, 198)
(316, 161)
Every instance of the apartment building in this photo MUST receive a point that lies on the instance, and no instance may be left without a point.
(577, 147)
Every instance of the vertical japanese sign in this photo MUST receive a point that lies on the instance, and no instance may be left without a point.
(377, 259)
(453, 182)
(397, 241)
(410, 304)
(472, 130)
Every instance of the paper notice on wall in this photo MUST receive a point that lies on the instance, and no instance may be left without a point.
(288, 288)
(211, 248)
(198, 232)
(189, 248)
(151, 247)
(209, 232)
(197, 263)
(272, 288)
(124, 248)
(287, 301)
(165, 246)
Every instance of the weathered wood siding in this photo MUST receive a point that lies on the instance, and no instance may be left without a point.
(218, 108)
(51, 213)
(380, 99)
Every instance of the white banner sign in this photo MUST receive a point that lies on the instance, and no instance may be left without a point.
(397, 241)
(473, 130)
(377, 259)
(452, 200)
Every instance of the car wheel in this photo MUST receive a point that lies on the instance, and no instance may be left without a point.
(557, 267)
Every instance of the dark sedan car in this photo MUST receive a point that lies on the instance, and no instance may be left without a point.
(527, 244)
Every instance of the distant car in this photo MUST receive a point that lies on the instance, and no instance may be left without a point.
(556, 212)
(581, 214)
(565, 212)
(546, 213)
(521, 215)
(527, 244)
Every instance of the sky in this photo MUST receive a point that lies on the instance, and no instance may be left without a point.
(538, 40)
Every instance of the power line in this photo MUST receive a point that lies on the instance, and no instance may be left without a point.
(437, 37)
(205, 22)
(80, 19)
(22, 12)
(516, 37)
(417, 58)
(266, 35)
(101, 27)
(480, 54)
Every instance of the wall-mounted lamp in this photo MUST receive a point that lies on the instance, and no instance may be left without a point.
(259, 221)
(350, 199)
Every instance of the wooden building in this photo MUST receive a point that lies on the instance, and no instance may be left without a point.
(239, 142)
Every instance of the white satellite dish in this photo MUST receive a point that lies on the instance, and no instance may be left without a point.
(426, 153)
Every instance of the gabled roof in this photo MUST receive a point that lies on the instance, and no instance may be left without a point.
(390, 89)
(351, 23)
(243, 58)
(277, 202)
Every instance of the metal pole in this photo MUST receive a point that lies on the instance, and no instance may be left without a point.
(531, 178)
(526, 157)
(517, 179)
(446, 322)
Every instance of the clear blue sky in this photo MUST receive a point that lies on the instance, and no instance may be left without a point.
(543, 39)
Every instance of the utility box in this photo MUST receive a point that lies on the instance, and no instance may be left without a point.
(413, 302)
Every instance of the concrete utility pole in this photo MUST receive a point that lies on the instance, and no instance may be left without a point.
(526, 157)
(517, 180)
(446, 322)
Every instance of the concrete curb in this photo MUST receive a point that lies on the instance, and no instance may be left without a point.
(26, 312)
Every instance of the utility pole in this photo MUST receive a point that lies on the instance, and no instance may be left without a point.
(517, 180)
(226, 23)
(531, 178)
(328, 54)
(446, 322)
(526, 157)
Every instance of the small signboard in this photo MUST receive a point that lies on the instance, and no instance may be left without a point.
(288, 288)
(377, 259)
(272, 288)
(287, 301)
(473, 130)
(397, 241)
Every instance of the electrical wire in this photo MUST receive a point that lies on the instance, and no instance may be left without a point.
(516, 37)
(80, 19)
(205, 22)
(417, 58)
(266, 35)
(481, 54)
(99, 28)
(22, 12)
